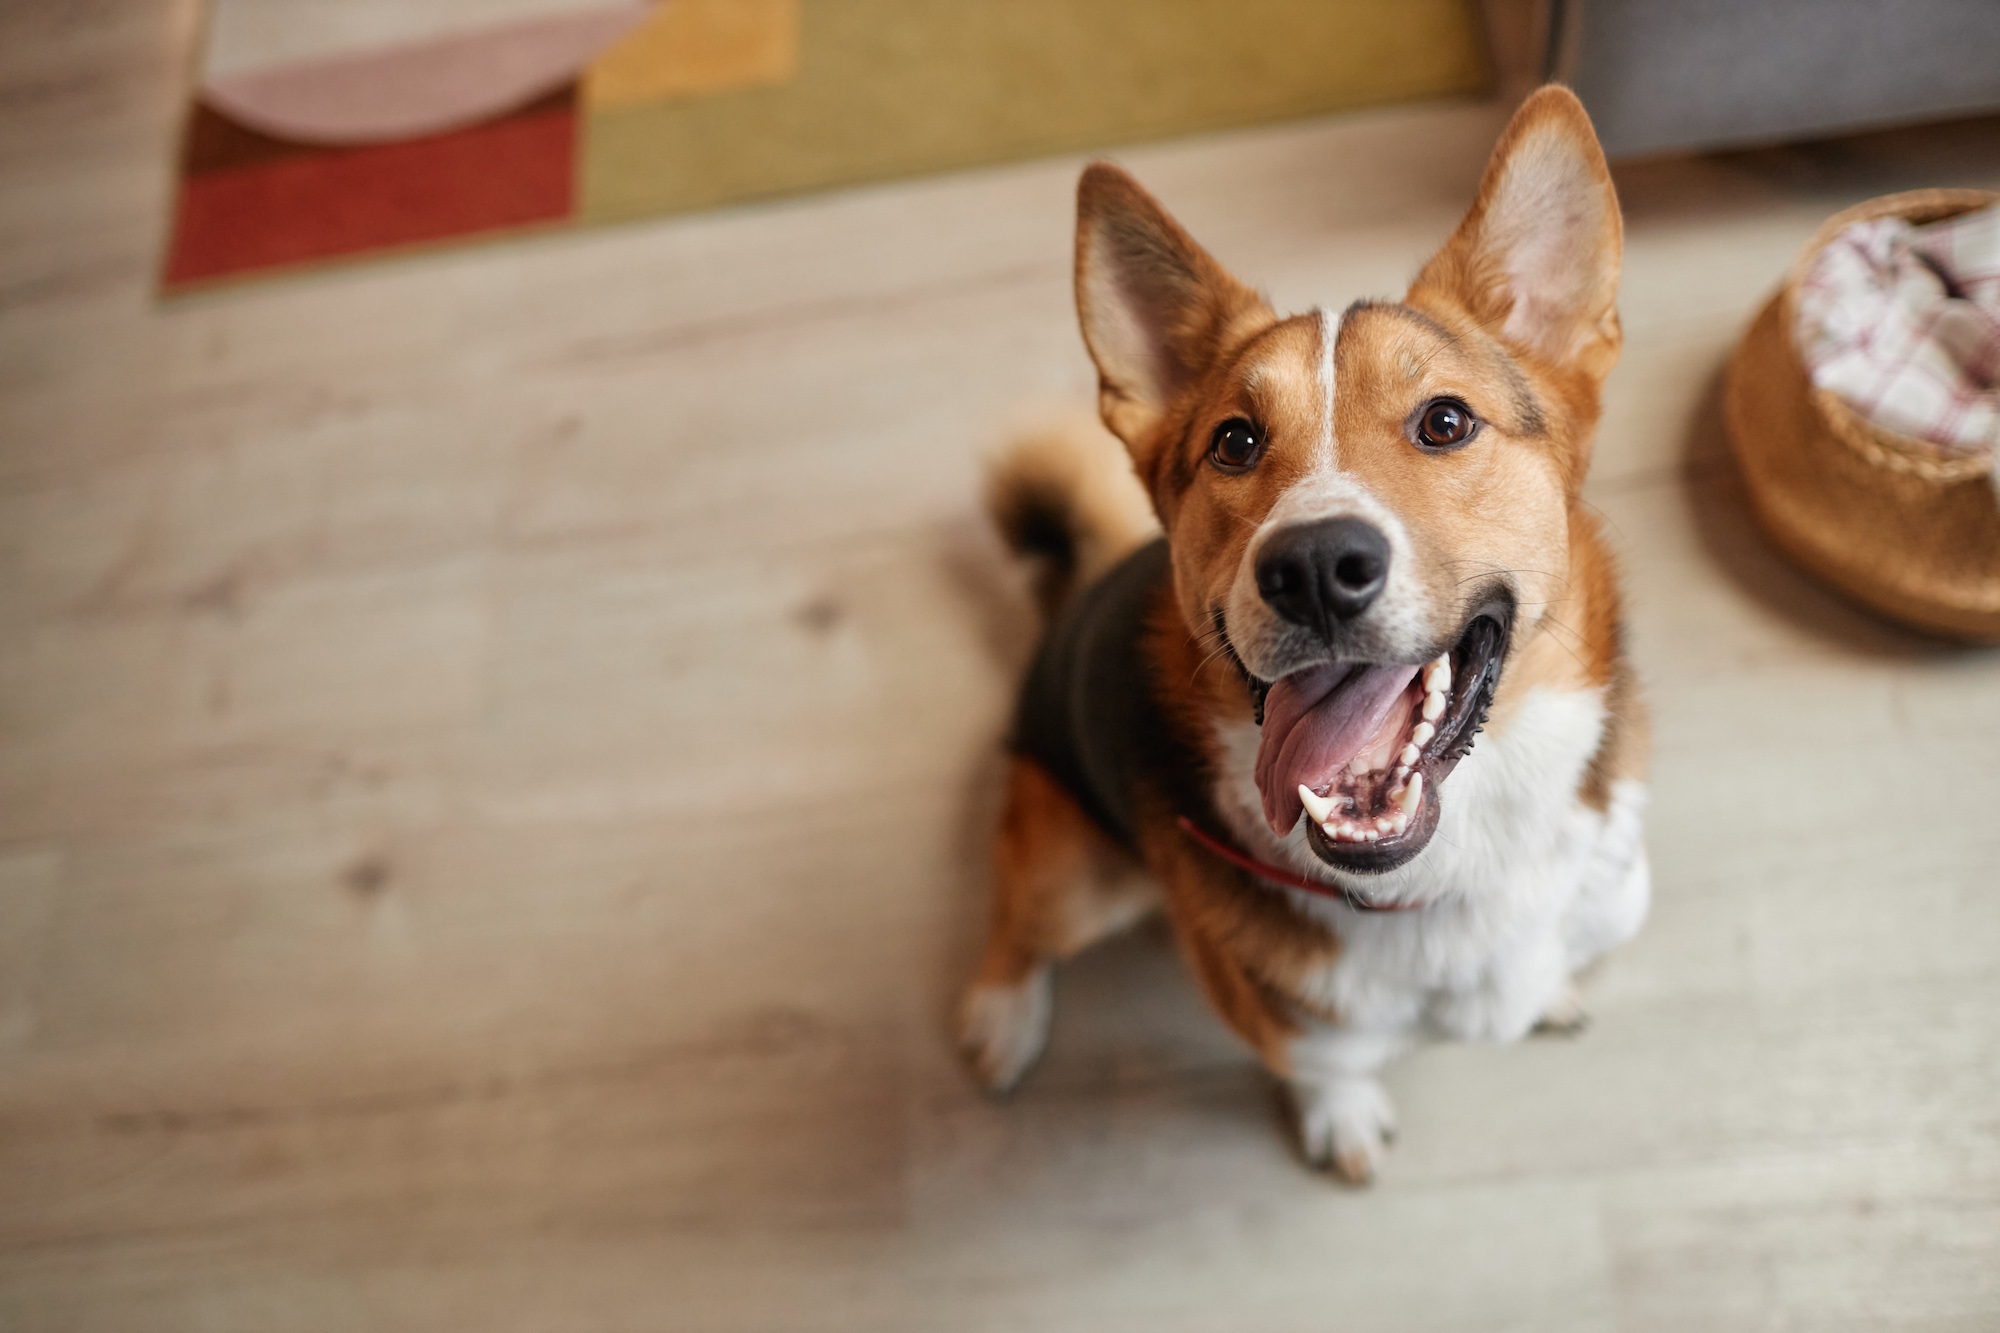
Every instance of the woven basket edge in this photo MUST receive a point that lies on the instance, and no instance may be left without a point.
(1876, 444)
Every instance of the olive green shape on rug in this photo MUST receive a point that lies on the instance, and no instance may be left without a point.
(899, 87)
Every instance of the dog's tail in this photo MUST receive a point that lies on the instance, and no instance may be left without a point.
(1067, 498)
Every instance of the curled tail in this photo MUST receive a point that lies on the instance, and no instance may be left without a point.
(1067, 498)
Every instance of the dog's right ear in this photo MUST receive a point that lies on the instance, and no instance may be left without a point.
(1156, 309)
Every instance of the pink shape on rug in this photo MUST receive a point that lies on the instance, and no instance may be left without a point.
(423, 88)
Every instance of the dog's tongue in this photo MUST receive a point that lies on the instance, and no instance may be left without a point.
(1315, 721)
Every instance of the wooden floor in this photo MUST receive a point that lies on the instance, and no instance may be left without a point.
(496, 750)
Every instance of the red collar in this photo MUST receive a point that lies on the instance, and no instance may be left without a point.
(1279, 875)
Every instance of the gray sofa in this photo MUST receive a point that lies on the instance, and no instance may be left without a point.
(1662, 75)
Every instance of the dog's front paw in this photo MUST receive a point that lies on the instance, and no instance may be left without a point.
(1565, 1016)
(1002, 1029)
(1345, 1125)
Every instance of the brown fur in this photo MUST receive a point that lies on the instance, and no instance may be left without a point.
(1060, 884)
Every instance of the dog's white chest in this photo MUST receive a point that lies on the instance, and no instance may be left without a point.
(1522, 877)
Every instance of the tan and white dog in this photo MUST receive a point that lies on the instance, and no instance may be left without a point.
(1355, 711)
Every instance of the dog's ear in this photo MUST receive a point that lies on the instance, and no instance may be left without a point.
(1156, 309)
(1536, 260)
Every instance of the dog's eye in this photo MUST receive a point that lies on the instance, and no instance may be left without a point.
(1445, 423)
(1236, 445)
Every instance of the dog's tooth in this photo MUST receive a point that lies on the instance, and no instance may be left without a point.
(1400, 822)
(1433, 707)
(1370, 835)
(1317, 806)
(1420, 735)
(1410, 793)
(1437, 676)
(1402, 771)
(1409, 755)
(1357, 766)
(1384, 824)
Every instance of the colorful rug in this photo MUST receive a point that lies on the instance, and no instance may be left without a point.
(324, 131)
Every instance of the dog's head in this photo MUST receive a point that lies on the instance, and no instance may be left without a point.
(1368, 508)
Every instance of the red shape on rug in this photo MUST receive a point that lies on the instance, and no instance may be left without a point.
(323, 203)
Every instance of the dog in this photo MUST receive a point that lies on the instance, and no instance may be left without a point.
(1344, 691)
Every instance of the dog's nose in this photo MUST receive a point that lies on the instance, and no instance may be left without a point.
(1322, 573)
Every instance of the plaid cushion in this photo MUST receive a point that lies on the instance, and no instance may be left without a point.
(1903, 323)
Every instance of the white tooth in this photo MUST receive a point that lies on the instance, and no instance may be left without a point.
(1433, 707)
(1410, 793)
(1409, 755)
(1402, 771)
(1385, 825)
(1420, 735)
(1370, 836)
(1437, 676)
(1319, 807)
(1401, 822)
(1357, 766)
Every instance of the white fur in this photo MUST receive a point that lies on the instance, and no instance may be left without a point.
(1329, 337)
(1522, 884)
(1004, 1028)
(1344, 1123)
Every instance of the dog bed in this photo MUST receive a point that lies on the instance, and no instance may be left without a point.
(1906, 525)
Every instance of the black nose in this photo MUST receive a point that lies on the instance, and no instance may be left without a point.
(1320, 574)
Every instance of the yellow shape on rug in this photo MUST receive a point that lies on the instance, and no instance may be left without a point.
(692, 47)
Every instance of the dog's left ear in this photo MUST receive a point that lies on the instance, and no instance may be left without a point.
(1536, 260)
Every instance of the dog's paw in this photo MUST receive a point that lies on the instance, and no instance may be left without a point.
(1002, 1029)
(1345, 1126)
(1565, 1016)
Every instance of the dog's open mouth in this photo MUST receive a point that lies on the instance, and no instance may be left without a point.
(1362, 748)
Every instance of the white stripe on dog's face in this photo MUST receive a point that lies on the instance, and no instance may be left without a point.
(1329, 338)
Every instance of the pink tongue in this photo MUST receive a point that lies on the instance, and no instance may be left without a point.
(1315, 721)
